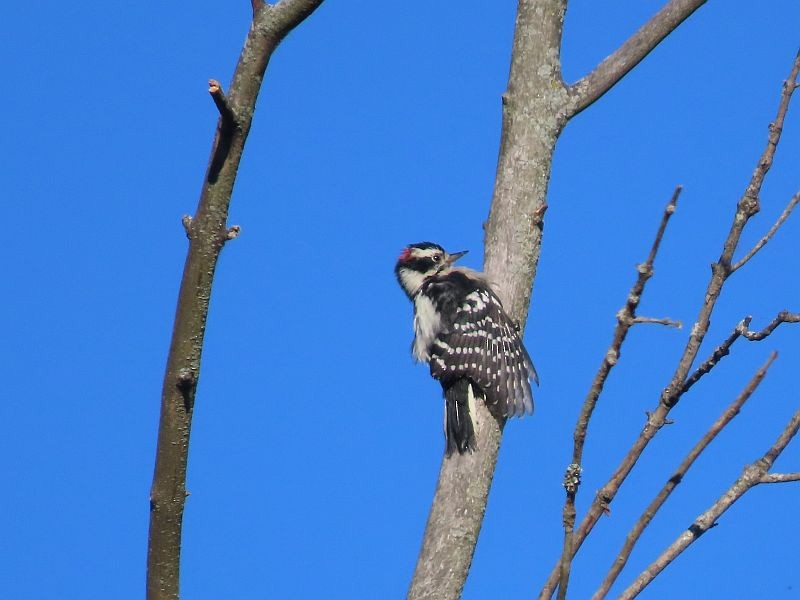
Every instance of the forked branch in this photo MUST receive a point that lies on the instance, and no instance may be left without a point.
(587, 90)
(768, 236)
(721, 351)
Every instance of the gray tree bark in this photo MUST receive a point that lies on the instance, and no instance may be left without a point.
(536, 106)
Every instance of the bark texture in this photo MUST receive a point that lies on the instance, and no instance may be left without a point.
(453, 526)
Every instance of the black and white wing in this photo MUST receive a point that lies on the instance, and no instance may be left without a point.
(481, 342)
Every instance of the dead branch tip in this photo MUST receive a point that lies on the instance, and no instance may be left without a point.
(186, 220)
(233, 232)
(221, 102)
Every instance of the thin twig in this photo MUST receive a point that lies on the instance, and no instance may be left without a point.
(626, 318)
(747, 206)
(783, 317)
(717, 355)
(741, 330)
(752, 476)
(768, 236)
(587, 90)
(780, 477)
(659, 321)
(676, 478)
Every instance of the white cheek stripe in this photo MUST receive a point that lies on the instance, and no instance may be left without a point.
(411, 280)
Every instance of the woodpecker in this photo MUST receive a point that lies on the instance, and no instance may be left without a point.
(471, 345)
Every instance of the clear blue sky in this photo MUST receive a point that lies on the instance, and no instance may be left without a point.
(316, 441)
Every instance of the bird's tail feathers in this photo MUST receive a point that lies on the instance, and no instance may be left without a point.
(459, 429)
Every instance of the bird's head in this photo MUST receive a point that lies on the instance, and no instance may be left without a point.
(418, 262)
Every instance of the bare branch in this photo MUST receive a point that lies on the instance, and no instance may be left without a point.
(746, 207)
(752, 476)
(717, 355)
(664, 321)
(208, 232)
(750, 200)
(742, 330)
(586, 91)
(626, 317)
(676, 478)
(780, 477)
(768, 236)
(783, 317)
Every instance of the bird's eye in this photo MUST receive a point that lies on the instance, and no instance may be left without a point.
(437, 258)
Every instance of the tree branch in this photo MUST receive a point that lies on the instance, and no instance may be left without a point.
(456, 515)
(662, 321)
(783, 317)
(534, 95)
(591, 87)
(746, 208)
(750, 200)
(742, 330)
(207, 232)
(626, 318)
(780, 477)
(752, 476)
(676, 478)
(717, 355)
(768, 236)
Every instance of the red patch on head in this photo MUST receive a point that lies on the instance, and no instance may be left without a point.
(404, 255)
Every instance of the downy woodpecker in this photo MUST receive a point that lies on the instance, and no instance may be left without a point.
(472, 346)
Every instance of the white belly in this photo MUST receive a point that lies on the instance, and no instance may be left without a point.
(427, 326)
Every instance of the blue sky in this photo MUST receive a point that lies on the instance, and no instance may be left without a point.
(316, 441)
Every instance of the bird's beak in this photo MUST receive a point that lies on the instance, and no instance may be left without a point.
(451, 258)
